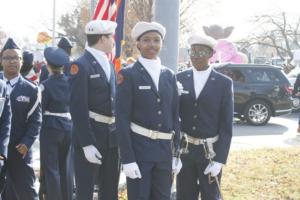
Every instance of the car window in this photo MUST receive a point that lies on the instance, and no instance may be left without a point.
(263, 75)
(235, 74)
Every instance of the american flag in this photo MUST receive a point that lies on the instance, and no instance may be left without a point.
(113, 10)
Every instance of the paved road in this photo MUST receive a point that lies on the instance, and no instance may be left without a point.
(279, 132)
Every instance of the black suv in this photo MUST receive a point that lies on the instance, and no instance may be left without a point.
(260, 91)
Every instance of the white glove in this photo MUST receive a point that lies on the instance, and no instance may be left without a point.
(213, 168)
(92, 154)
(176, 165)
(131, 170)
(180, 88)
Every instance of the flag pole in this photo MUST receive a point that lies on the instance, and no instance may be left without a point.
(53, 23)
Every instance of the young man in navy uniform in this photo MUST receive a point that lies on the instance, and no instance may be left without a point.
(206, 113)
(55, 137)
(5, 123)
(93, 82)
(26, 123)
(147, 118)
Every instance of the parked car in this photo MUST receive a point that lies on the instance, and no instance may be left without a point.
(260, 91)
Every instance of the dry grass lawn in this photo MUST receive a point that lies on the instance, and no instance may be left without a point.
(262, 174)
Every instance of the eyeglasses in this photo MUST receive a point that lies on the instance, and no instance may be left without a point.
(199, 54)
(11, 58)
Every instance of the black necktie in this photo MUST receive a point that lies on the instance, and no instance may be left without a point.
(8, 83)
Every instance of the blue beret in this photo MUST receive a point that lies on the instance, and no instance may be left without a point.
(56, 57)
(27, 58)
(64, 43)
(10, 44)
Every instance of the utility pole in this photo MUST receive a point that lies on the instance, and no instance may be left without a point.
(166, 12)
(53, 22)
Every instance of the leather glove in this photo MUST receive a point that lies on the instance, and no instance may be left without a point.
(213, 168)
(180, 88)
(92, 154)
(131, 170)
(176, 165)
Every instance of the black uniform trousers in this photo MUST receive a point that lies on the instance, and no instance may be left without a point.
(191, 181)
(20, 177)
(106, 175)
(55, 148)
(155, 183)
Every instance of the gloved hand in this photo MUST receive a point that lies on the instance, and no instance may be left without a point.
(131, 170)
(213, 168)
(180, 88)
(92, 154)
(176, 165)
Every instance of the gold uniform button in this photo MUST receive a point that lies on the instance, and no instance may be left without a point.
(195, 116)
(159, 125)
(159, 112)
(194, 128)
(158, 100)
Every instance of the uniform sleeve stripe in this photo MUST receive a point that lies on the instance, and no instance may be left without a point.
(38, 100)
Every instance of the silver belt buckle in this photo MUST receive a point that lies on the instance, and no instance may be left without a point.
(153, 134)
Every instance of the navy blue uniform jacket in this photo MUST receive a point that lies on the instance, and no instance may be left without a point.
(209, 115)
(138, 101)
(26, 113)
(91, 91)
(56, 99)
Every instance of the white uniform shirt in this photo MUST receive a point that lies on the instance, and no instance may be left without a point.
(10, 84)
(102, 59)
(200, 79)
(153, 67)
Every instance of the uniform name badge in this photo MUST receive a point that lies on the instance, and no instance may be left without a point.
(95, 76)
(144, 87)
(2, 101)
(185, 92)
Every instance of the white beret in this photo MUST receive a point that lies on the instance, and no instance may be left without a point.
(142, 27)
(99, 27)
(202, 40)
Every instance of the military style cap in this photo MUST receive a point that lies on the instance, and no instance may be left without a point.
(202, 40)
(56, 57)
(27, 58)
(100, 27)
(64, 43)
(144, 27)
(10, 44)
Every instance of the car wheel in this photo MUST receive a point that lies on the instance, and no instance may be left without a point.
(257, 113)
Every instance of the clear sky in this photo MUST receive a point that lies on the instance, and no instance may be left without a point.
(25, 18)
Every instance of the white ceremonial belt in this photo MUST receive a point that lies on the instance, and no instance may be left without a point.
(198, 141)
(101, 118)
(65, 115)
(150, 133)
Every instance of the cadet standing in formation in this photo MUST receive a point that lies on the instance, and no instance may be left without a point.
(55, 137)
(206, 112)
(147, 118)
(26, 123)
(93, 82)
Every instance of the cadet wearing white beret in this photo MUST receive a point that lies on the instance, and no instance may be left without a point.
(147, 118)
(206, 110)
(92, 83)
